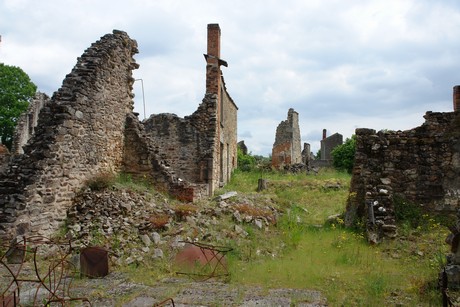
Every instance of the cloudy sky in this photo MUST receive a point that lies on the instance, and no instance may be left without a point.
(341, 64)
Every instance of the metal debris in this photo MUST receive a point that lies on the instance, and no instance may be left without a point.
(209, 262)
(36, 271)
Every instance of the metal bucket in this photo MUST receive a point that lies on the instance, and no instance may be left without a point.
(94, 262)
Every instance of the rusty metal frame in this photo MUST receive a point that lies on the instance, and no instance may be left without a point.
(218, 253)
(163, 303)
(56, 280)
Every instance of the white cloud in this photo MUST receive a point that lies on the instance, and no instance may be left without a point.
(341, 65)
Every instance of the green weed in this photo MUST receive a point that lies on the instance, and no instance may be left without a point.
(337, 261)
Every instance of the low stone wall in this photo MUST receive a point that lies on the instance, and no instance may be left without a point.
(421, 165)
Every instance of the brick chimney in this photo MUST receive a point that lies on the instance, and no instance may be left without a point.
(212, 59)
(457, 98)
(324, 134)
(214, 40)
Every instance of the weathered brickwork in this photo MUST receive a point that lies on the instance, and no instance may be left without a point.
(421, 166)
(287, 147)
(88, 128)
(224, 153)
(456, 97)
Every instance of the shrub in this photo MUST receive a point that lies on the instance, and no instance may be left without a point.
(101, 181)
(184, 210)
(247, 162)
(159, 221)
(343, 156)
(407, 212)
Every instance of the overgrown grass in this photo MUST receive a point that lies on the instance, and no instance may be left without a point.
(335, 260)
(303, 251)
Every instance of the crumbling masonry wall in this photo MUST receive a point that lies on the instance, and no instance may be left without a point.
(27, 122)
(185, 144)
(142, 160)
(79, 133)
(287, 147)
(421, 165)
(200, 148)
(228, 136)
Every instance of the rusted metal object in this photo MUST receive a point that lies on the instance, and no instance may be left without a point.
(94, 262)
(37, 268)
(166, 302)
(204, 261)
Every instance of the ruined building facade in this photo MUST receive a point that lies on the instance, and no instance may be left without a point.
(421, 166)
(287, 147)
(200, 148)
(88, 128)
(328, 143)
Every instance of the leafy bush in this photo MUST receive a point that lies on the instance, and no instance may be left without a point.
(343, 156)
(247, 162)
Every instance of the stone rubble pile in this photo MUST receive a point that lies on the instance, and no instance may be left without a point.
(123, 222)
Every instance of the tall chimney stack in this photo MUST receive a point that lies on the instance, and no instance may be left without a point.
(324, 133)
(457, 98)
(214, 40)
(213, 73)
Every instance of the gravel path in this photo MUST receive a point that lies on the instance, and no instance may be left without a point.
(116, 290)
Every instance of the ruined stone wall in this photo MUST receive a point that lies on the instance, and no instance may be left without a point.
(222, 155)
(421, 165)
(306, 153)
(186, 144)
(197, 147)
(328, 144)
(287, 147)
(27, 122)
(229, 135)
(79, 133)
(142, 160)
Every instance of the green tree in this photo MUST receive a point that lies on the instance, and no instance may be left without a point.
(343, 156)
(318, 155)
(16, 89)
